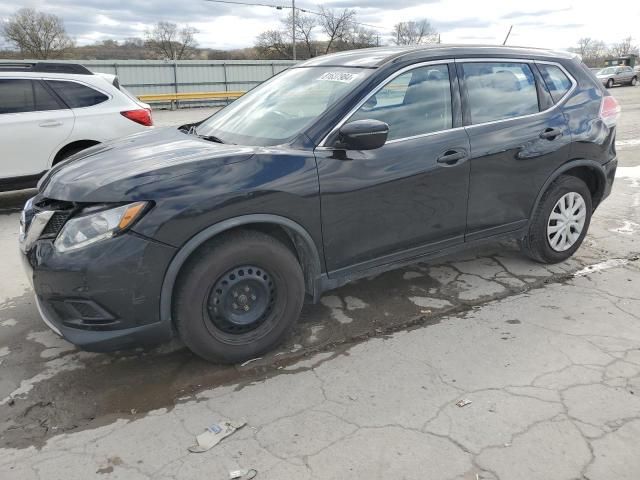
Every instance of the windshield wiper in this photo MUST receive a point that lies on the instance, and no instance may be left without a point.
(210, 138)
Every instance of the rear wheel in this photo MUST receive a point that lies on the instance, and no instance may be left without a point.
(560, 221)
(238, 296)
(634, 81)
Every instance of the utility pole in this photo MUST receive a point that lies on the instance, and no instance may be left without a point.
(293, 26)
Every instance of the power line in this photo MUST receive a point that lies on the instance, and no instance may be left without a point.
(282, 7)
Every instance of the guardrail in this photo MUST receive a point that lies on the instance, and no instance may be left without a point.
(192, 96)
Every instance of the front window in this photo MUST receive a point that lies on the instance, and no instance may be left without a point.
(607, 71)
(414, 103)
(282, 107)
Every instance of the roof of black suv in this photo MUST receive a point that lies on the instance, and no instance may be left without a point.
(375, 57)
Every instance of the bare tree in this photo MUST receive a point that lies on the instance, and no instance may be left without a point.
(414, 33)
(305, 25)
(584, 46)
(593, 52)
(170, 41)
(336, 25)
(36, 34)
(273, 44)
(625, 47)
(361, 37)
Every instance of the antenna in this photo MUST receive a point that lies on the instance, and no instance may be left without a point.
(507, 37)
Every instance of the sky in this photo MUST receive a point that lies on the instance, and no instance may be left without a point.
(543, 23)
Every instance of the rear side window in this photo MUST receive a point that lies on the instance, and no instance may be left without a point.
(556, 80)
(22, 95)
(76, 95)
(498, 91)
(44, 99)
(414, 103)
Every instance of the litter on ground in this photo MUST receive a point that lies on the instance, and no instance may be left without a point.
(214, 434)
(246, 474)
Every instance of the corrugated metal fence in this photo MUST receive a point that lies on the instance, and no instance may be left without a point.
(142, 77)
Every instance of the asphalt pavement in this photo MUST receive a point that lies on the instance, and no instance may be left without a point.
(545, 361)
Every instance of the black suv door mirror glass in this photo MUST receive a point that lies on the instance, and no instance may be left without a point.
(363, 135)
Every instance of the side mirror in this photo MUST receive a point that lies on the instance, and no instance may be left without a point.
(363, 135)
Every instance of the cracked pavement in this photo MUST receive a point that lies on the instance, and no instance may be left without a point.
(367, 384)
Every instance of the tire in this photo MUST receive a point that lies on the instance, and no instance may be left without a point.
(609, 83)
(262, 276)
(537, 244)
(634, 81)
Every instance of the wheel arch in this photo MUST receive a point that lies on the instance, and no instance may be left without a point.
(71, 146)
(299, 239)
(589, 171)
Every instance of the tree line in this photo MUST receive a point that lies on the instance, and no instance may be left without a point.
(39, 35)
(594, 52)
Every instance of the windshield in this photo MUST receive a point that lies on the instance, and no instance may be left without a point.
(280, 108)
(607, 71)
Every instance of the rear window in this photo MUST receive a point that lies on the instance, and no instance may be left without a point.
(498, 91)
(21, 95)
(556, 80)
(77, 95)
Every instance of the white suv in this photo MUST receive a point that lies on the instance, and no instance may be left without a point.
(49, 111)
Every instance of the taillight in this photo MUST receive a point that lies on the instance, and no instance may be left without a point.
(609, 110)
(141, 116)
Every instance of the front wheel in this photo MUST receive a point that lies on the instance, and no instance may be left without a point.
(238, 296)
(560, 221)
(634, 81)
(610, 83)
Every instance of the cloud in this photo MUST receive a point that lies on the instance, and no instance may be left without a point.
(448, 25)
(127, 18)
(376, 4)
(534, 13)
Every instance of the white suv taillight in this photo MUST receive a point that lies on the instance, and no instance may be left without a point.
(141, 116)
(609, 110)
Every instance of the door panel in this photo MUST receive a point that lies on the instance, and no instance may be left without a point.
(515, 151)
(28, 136)
(509, 164)
(391, 199)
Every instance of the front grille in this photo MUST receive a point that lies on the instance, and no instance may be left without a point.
(55, 224)
(62, 211)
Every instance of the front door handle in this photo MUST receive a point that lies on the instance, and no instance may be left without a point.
(52, 123)
(452, 157)
(551, 133)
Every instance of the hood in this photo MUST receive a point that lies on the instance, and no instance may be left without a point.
(116, 171)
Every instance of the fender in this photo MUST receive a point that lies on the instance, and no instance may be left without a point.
(597, 167)
(301, 239)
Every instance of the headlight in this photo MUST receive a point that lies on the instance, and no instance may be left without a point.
(95, 226)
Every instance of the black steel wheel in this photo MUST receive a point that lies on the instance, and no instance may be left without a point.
(237, 296)
(241, 299)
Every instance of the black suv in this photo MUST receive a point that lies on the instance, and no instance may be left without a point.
(341, 167)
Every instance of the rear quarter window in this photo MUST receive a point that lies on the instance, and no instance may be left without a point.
(556, 80)
(499, 91)
(76, 95)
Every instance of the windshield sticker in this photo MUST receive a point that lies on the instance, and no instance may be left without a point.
(343, 77)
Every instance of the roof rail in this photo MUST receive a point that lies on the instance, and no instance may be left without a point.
(45, 67)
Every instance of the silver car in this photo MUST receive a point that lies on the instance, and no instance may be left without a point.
(620, 75)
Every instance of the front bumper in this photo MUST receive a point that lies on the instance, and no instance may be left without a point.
(103, 297)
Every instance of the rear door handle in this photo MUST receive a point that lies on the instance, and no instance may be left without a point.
(52, 123)
(452, 157)
(551, 133)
